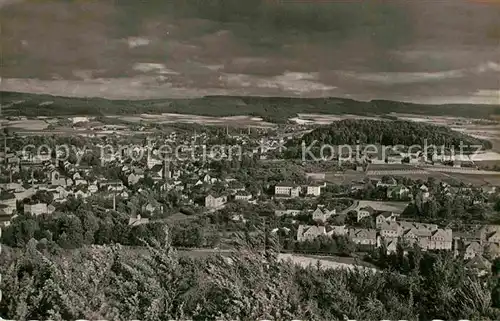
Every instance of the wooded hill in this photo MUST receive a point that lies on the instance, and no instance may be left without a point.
(274, 109)
(390, 133)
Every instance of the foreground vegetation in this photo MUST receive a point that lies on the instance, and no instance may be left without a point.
(112, 283)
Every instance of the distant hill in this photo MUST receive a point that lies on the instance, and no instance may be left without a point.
(361, 131)
(274, 109)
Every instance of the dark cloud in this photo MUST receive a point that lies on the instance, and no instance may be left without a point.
(371, 48)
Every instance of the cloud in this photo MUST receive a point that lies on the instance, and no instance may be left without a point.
(289, 82)
(488, 92)
(390, 78)
(7, 2)
(488, 66)
(85, 74)
(214, 67)
(139, 87)
(492, 96)
(154, 67)
(137, 42)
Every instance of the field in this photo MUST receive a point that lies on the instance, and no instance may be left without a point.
(345, 177)
(324, 119)
(170, 118)
(27, 124)
(396, 207)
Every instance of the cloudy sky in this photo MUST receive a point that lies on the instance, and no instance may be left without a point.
(434, 51)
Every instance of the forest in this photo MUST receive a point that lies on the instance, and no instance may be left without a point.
(390, 133)
(116, 283)
(272, 109)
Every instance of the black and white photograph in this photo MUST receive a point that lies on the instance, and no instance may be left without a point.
(223, 160)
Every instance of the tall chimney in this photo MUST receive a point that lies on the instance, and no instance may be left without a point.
(166, 169)
(5, 148)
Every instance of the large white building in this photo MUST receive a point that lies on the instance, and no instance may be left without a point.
(314, 190)
(287, 190)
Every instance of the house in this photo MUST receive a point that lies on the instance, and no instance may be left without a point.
(425, 192)
(79, 119)
(57, 179)
(8, 201)
(398, 192)
(309, 232)
(208, 179)
(295, 191)
(364, 212)
(160, 171)
(123, 194)
(111, 185)
(5, 220)
(363, 236)
(417, 233)
(137, 220)
(394, 158)
(391, 245)
(386, 182)
(492, 250)
(242, 196)
(80, 182)
(235, 187)
(472, 249)
(427, 236)
(238, 218)
(338, 230)
(319, 215)
(440, 239)
(59, 193)
(389, 229)
(492, 237)
(93, 188)
(357, 187)
(152, 207)
(215, 202)
(134, 178)
(314, 190)
(38, 209)
(287, 212)
(385, 217)
(479, 265)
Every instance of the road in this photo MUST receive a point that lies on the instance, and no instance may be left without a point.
(326, 262)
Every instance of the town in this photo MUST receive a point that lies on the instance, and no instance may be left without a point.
(208, 183)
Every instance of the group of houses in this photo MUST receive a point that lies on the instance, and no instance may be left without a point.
(479, 246)
(291, 190)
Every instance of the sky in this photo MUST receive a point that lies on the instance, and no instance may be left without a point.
(427, 51)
